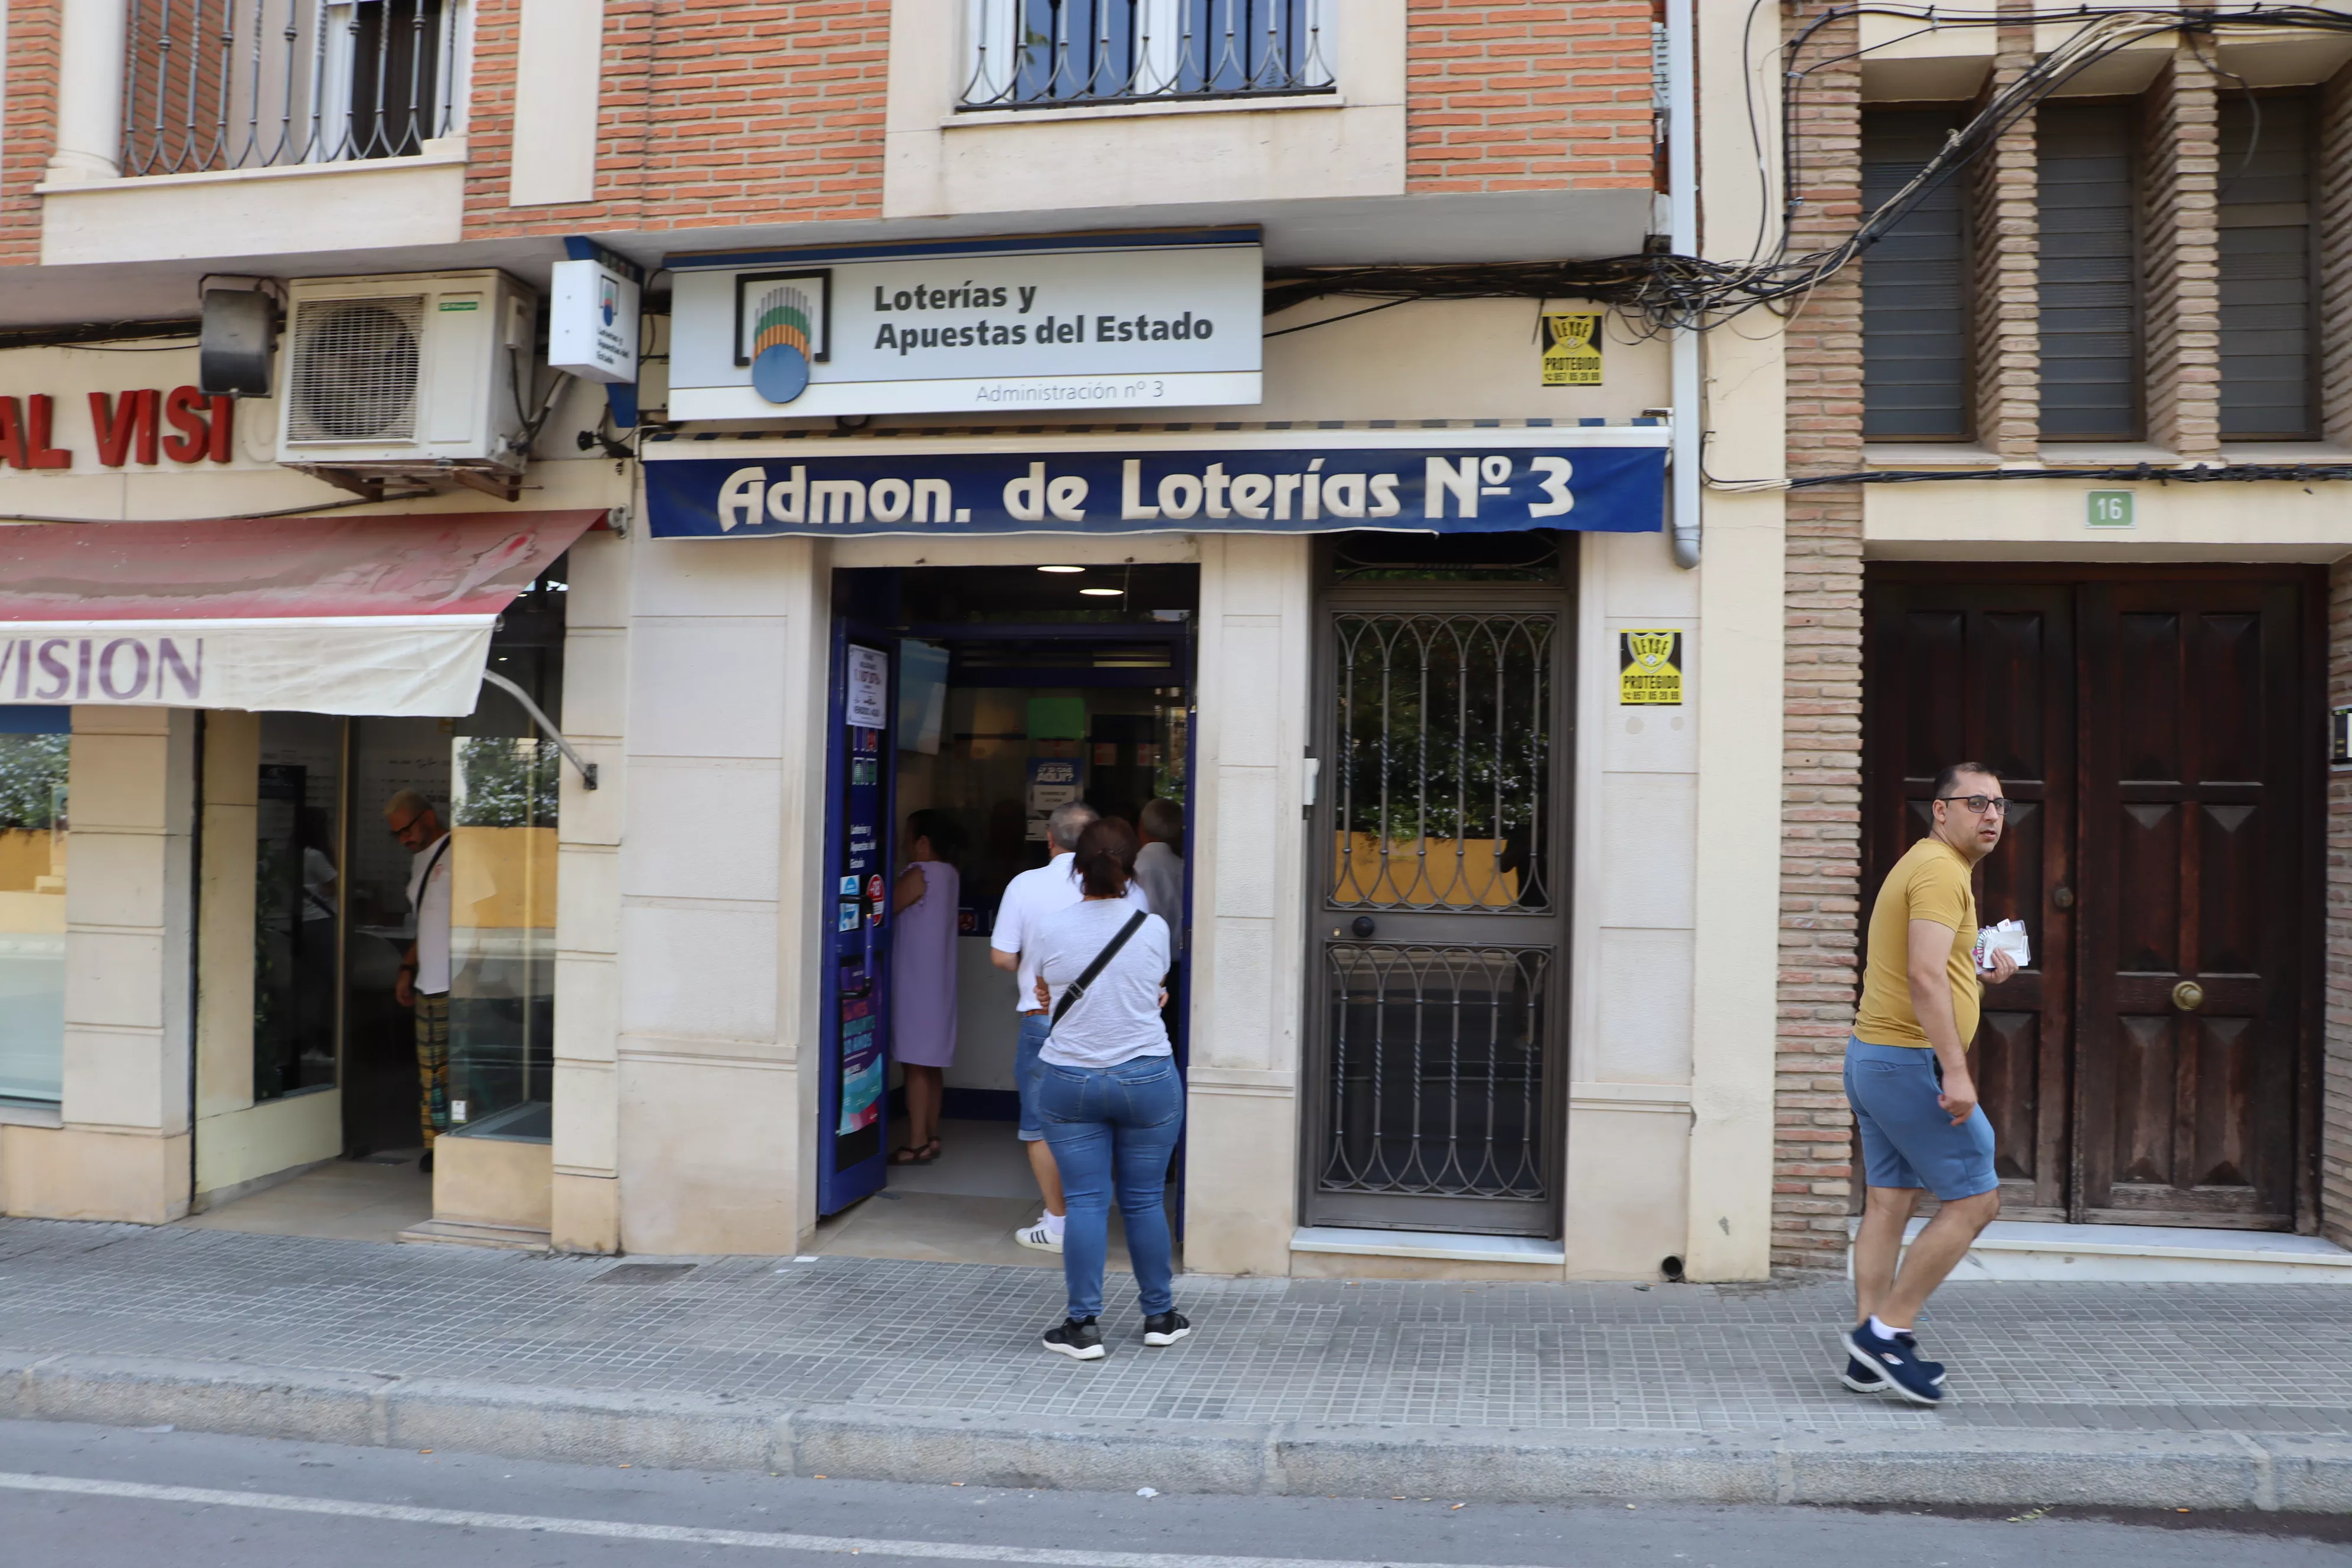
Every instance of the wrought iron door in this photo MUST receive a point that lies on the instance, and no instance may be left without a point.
(1440, 838)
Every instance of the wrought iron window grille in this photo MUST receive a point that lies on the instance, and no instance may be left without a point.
(253, 84)
(1060, 54)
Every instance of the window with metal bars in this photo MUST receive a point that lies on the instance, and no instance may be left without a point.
(2268, 327)
(251, 84)
(1047, 54)
(1915, 299)
(2089, 285)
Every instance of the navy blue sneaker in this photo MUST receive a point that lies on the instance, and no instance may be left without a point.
(1864, 1378)
(1897, 1361)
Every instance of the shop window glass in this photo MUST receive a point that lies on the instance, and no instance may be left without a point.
(299, 852)
(502, 934)
(32, 905)
(504, 780)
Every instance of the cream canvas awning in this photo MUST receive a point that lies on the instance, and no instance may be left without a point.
(387, 616)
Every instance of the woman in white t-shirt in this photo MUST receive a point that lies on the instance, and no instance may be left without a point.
(1109, 1096)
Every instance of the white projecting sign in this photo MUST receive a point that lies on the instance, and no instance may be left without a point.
(1061, 325)
(592, 321)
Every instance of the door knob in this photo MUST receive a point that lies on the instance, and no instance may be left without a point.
(1363, 926)
(2189, 995)
(2062, 897)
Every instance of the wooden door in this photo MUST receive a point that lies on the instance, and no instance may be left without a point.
(1986, 672)
(2155, 728)
(2194, 866)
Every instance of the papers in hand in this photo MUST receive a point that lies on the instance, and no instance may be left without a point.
(2008, 936)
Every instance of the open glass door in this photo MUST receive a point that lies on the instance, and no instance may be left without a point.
(853, 1099)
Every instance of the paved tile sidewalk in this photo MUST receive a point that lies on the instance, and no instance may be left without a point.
(2116, 1358)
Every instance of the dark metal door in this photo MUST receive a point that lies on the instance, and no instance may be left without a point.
(2156, 730)
(1437, 930)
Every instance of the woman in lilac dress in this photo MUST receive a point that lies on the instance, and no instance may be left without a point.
(923, 978)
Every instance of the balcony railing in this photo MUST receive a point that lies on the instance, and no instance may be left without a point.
(250, 84)
(1050, 54)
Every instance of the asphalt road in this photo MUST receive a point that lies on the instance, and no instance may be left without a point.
(92, 1497)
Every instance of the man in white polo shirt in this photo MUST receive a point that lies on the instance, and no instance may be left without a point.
(1028, 898)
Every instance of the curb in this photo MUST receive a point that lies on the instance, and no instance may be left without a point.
(1982, 1466)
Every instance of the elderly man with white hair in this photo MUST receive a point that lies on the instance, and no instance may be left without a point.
(424, 982)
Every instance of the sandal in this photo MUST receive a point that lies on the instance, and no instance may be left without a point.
(910, 1155)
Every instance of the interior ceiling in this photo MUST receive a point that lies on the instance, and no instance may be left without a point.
(1537, 226)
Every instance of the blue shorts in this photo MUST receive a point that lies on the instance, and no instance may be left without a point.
(1029, 1073)
(1909, 1139)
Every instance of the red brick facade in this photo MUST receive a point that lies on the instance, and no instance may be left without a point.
(1519, 96)
(711, 113)
(31, 129)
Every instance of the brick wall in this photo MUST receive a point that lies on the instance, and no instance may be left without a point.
(711, 112)
(2180, 244)
(1821, 758)
(1518, 96)
(29, 135)
(2334, 217)
(2336, 1076)
(2005, 236)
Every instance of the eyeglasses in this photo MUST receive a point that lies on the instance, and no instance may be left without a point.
(1980, 803)
(404, 826)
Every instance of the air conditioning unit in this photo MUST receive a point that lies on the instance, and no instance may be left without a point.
(415, 381)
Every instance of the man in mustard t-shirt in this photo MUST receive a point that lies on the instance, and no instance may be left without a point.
(1906, 1076)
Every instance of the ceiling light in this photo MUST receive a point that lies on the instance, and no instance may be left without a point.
(1061, 568)
(1103, 593)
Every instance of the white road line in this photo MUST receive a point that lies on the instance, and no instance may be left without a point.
(690, 1535)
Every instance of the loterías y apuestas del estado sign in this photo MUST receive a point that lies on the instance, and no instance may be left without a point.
(1071, 323)
(1608, 479)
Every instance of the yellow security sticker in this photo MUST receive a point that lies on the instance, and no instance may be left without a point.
(1650, 669)
(1571, 350)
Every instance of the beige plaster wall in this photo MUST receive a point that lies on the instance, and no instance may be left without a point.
(585, 1208)
(1248, 933)
(122, 1150)
(724, 660)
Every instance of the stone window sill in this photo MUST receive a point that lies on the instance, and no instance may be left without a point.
(1144, 109)
(439, 152)
(30, 1113)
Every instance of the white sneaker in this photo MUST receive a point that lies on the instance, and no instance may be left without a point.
(1038, 1237)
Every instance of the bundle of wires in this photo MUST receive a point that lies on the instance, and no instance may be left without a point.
(1663, 292)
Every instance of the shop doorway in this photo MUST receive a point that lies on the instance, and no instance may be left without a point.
(306, 1052)
(984, 696)
(2158, 731)
(1438, 930)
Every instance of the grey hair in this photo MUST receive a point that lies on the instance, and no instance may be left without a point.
(407, 803)
(1070, 818)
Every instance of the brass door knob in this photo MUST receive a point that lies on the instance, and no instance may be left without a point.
(2189, 995)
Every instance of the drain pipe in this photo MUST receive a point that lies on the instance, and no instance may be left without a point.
(1681, 198)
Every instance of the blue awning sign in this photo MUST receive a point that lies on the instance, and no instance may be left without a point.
(1469, 481)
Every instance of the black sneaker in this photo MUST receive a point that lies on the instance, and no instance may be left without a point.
(1079, 1342)
(1165, 1328)
(1897, 1361)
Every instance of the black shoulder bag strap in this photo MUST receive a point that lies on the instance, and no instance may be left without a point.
(1110, 951)
(432, 866)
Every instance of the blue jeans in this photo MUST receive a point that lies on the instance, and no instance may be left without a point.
(1026, 1069)
(1115, 1129)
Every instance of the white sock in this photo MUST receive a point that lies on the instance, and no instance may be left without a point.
(1054, 1222)
(1884, 1330)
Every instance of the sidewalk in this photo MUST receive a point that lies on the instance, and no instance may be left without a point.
(2199, 1396)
